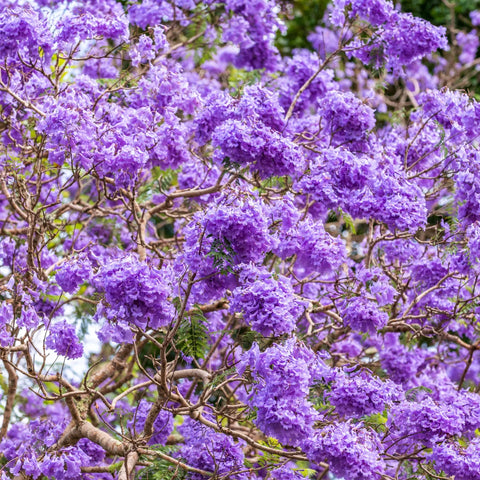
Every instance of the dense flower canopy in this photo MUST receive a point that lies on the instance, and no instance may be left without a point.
(224, 259)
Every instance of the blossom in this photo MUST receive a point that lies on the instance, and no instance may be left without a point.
(363, 315)
(72, 274)
(345, 117)
(362, 394)
(463, 463)
(23, 30)
(61, 338)
(268, 304)
(209, 450)
(426, 421)
(135, 293)
(258, 146)
(349, 450)
(284, 374)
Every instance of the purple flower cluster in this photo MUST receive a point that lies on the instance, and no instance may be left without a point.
(283, 374)
(346, 119)
(286, 472)
(362, 394)
(316, 250)
(425, 421)
(455, 111)
(254, 23)
(268, 304)
(400, 38)
(219, 106)
(297, 71)
(91, 20)
(473, 236)
(211, 451)
(469, 43)
(6, 317)
(135, 294)
(340, 178)
(468, 189)
(462, 463)
(233, 232)
(400, 363)
(72, 274)
(24, 449)
(408, 38)
(363, 315)
(23, 31)
(376, 12)
(350, 450)
(61, 338)
(258, 146)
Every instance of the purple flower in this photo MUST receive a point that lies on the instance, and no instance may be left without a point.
(283, 374)
(61, 338)
(400, 38)
(345, 117)
(211, 451)
(469, 43)
(376, 12)
(92, 19)
(351, 451)
(143, 51)
(23, 31)
(135, 293)
(408, 38)
(460, 462)
(316, 250)
(6, 317)
(230, 233)
(475, 17)
(72, 274)
(425, 421)
(268, 304)
(256, 145)
(363, 315)
(362, 394)
(400, 363)
(286, 472)
(473, 236)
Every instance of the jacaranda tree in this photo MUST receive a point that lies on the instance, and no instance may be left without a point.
(219, 261)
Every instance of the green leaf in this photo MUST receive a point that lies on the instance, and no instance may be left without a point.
(162, 469)
(192, 335)
(349, 223)
(222, 377)
(411, 394)
(177, 303)
(223, 255)
(165, 178)
(230, 166)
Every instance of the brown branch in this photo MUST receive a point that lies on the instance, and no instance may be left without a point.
(128, 467)
(20, 100)
(116, 365)
(307, 84)
(86, 430)
(174, 461)
(12, 391)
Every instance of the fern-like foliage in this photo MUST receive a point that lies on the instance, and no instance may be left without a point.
(161, 469)
(192, 335)
(223, 255)
(166, 178)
